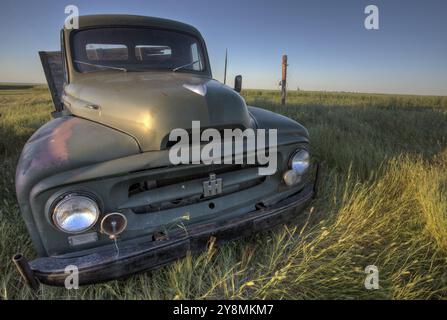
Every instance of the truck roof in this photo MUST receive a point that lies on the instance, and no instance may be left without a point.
(134, 20)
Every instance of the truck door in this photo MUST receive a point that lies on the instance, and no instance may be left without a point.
(54, 74)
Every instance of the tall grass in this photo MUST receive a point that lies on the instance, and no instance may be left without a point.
(382, 201)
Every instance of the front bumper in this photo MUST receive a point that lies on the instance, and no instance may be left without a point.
(144, 254)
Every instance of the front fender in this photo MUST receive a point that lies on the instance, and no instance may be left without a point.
(59, 145)
(287, 128)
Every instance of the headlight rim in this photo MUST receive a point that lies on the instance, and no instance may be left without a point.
(65, 196)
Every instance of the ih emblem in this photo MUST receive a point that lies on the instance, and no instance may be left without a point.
(212, 187)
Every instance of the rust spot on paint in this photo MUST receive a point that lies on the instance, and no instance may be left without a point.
(55, 149)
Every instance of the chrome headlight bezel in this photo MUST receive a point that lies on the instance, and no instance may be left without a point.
(63, 200)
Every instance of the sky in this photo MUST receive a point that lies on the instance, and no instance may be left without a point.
(327, 45)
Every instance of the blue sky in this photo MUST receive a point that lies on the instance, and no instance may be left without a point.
(326, 42)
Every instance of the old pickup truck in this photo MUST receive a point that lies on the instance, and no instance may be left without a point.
(96, 186)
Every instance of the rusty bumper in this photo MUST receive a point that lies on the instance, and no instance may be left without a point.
(144, 254)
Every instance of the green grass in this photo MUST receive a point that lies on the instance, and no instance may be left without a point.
(382, 201)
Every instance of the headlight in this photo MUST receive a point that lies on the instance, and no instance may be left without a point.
(298, 165)
(299, 162)
(291, 178)
(75, 213)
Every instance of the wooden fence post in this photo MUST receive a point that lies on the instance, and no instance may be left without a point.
(284, 80)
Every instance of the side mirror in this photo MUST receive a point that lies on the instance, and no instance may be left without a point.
(238, 83)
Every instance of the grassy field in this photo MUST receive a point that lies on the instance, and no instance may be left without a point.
(382, 201)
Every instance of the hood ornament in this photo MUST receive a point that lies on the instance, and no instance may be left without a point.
(196, 88)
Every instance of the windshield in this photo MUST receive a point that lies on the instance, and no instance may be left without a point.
(136, 49)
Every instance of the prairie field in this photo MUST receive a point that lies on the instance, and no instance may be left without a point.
(382, 201)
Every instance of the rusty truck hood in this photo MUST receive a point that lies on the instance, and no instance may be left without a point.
(148, 105)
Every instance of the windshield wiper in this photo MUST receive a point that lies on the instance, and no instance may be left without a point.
(100, 66)
(185, 65)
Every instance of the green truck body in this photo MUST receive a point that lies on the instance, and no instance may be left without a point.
(109, 142)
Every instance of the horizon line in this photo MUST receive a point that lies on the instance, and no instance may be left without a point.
(264, 89)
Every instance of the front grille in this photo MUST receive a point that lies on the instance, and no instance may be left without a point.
(177, 191)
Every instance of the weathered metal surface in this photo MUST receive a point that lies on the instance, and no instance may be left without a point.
(189, 188)
(113, 136)
(144, 254)
(25, 271)
(58, 146)
(109, 182)
(52, 67)
(149, 105)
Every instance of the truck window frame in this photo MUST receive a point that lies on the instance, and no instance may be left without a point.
(199, 40)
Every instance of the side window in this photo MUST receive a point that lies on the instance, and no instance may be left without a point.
(101, 51)
(195, 55)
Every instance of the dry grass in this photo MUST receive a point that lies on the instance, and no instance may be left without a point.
(383, 201)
